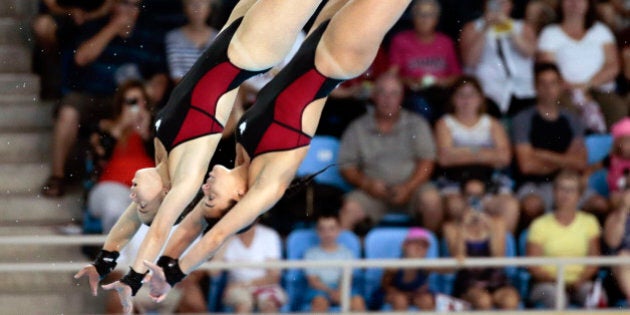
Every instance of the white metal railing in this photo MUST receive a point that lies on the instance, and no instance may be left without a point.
(346, 265)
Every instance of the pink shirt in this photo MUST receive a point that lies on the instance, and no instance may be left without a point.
(415, 58)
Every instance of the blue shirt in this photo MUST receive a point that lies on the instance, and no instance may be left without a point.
(139, 56)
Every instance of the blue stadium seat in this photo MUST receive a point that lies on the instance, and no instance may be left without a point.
(597, 181)
(298, 242)
(322, 153)
(90, 224)
(396, 220)
(523, 276)
(597, 147)
(215, 293)
(386, 243)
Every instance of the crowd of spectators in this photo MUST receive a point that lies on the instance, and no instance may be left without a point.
(473, 134)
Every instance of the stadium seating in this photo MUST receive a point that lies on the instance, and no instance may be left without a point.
(298, 242)
(386, 243)
(323, 153)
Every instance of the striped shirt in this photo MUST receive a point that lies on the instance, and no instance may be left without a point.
(182, 53)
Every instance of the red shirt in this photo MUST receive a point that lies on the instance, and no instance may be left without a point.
(415, 58)
(129, 156)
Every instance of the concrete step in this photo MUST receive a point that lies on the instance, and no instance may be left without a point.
(25, 146)
(19, 84)
(63, 300)
(14, 32)
(22, 209)
(22, 177)
(25, 114)
(22, 253)
(15, 59)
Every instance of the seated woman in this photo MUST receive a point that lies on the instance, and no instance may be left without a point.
(473, 147)
(499, 51)
(565, 232)
(189, 127)
(404, 287)
(426, 60)
(586, 53)
(185, 44)
(274, 135)
(118, 150)
(484, 288)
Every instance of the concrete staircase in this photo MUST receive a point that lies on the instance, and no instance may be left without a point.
(25, 131)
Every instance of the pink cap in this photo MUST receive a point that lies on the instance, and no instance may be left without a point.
(417, 234)
(621, 128)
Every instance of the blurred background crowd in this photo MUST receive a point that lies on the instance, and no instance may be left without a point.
(486, 127)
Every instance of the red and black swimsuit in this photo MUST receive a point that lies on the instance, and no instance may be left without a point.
(274, 122)
(191, 109)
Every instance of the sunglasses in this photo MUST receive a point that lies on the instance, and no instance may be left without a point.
(131, 101)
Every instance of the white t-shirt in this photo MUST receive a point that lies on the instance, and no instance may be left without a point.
(265, 246)
(578, 60)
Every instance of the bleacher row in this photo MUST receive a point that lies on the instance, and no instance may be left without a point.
(384, 241)
(379, 243)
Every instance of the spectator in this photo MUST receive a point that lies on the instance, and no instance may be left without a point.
(586, 54)
(473, 146)
(248, 289)
(484, 288)
(617, 237)
(548, 139)
(614, 13)
(185, 44)
(60, 17)
(566, 232)
(118, 148)
(388, 155)
(425, 59)
(619, 167)
(540, 13)
(54, 29)
(324, 283)
(112, 51)
(499, 51)
(404, 287)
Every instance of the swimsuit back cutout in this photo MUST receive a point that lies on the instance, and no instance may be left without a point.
(274, 122)
(191, 108)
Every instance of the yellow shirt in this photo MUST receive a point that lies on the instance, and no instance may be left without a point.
(558, 240)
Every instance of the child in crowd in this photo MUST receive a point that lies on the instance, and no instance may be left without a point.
(324, 283)
(404, 287)
(619, 168)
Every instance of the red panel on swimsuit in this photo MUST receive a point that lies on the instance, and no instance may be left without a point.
(288, 110)
(200, 120)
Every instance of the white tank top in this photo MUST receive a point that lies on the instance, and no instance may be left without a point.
(506, 75)
(479, 135)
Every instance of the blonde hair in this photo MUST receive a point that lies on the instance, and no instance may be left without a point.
(568, 174)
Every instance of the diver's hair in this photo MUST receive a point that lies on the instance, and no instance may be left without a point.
(298, 184)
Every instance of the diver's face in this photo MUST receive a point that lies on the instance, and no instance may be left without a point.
(220, 188)
(146, 187)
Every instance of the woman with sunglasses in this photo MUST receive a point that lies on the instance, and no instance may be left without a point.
(274, 135)
(117, 150)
